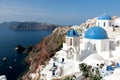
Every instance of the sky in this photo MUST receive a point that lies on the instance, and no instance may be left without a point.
(63, 12)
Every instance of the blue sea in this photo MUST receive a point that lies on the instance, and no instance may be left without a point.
(14, 66)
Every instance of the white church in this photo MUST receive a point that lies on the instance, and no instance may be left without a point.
(100, 43)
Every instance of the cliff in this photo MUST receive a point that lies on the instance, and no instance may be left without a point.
(29, 25)
(43, 51)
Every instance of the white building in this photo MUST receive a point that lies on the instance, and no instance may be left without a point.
(117, 43)
(72, 45)
(60, 64)
(117, 22)
(104, 21)
(96, 45)
(96, 41)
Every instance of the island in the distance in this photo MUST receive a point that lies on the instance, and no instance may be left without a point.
(29, 25)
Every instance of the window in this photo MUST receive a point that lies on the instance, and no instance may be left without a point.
(54, 65)
(53, 72)
(42, 74)
(104, 24)
(94, 47)
(104, 48)
(118, 43)
(62, 60)
(70, 53)
(70, 42)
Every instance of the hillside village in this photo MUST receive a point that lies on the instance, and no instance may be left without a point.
(94, 43)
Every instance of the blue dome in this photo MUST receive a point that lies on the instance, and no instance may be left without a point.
(96, 32)
(104, 17)
(72, 33)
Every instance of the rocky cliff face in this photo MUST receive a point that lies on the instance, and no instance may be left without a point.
(29, 26)
(45, 49)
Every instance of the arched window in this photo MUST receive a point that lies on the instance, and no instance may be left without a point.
(89, 44)
(104, 24)
(118, 43)
(70, 53)
(94, 47)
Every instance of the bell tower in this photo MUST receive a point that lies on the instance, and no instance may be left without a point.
(72, 42)
(72, 38)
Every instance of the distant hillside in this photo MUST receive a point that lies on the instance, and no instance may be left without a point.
(29, 26)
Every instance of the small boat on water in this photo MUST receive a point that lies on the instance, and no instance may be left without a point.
(4, 59)
(10, 67)
(15, 60)
(19, 48)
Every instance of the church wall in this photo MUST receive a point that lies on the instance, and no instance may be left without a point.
(112, 45)
(103, 23)
(88, 44)
(117, 44)
(65, 47)
(66, 40)
(72, 41)
(104, 45)
(91, 45)
(76, 41)
(95, 45)
(76, 56)
(69, 41)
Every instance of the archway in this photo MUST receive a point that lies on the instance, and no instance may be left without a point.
(70, 54)
(117, 43)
